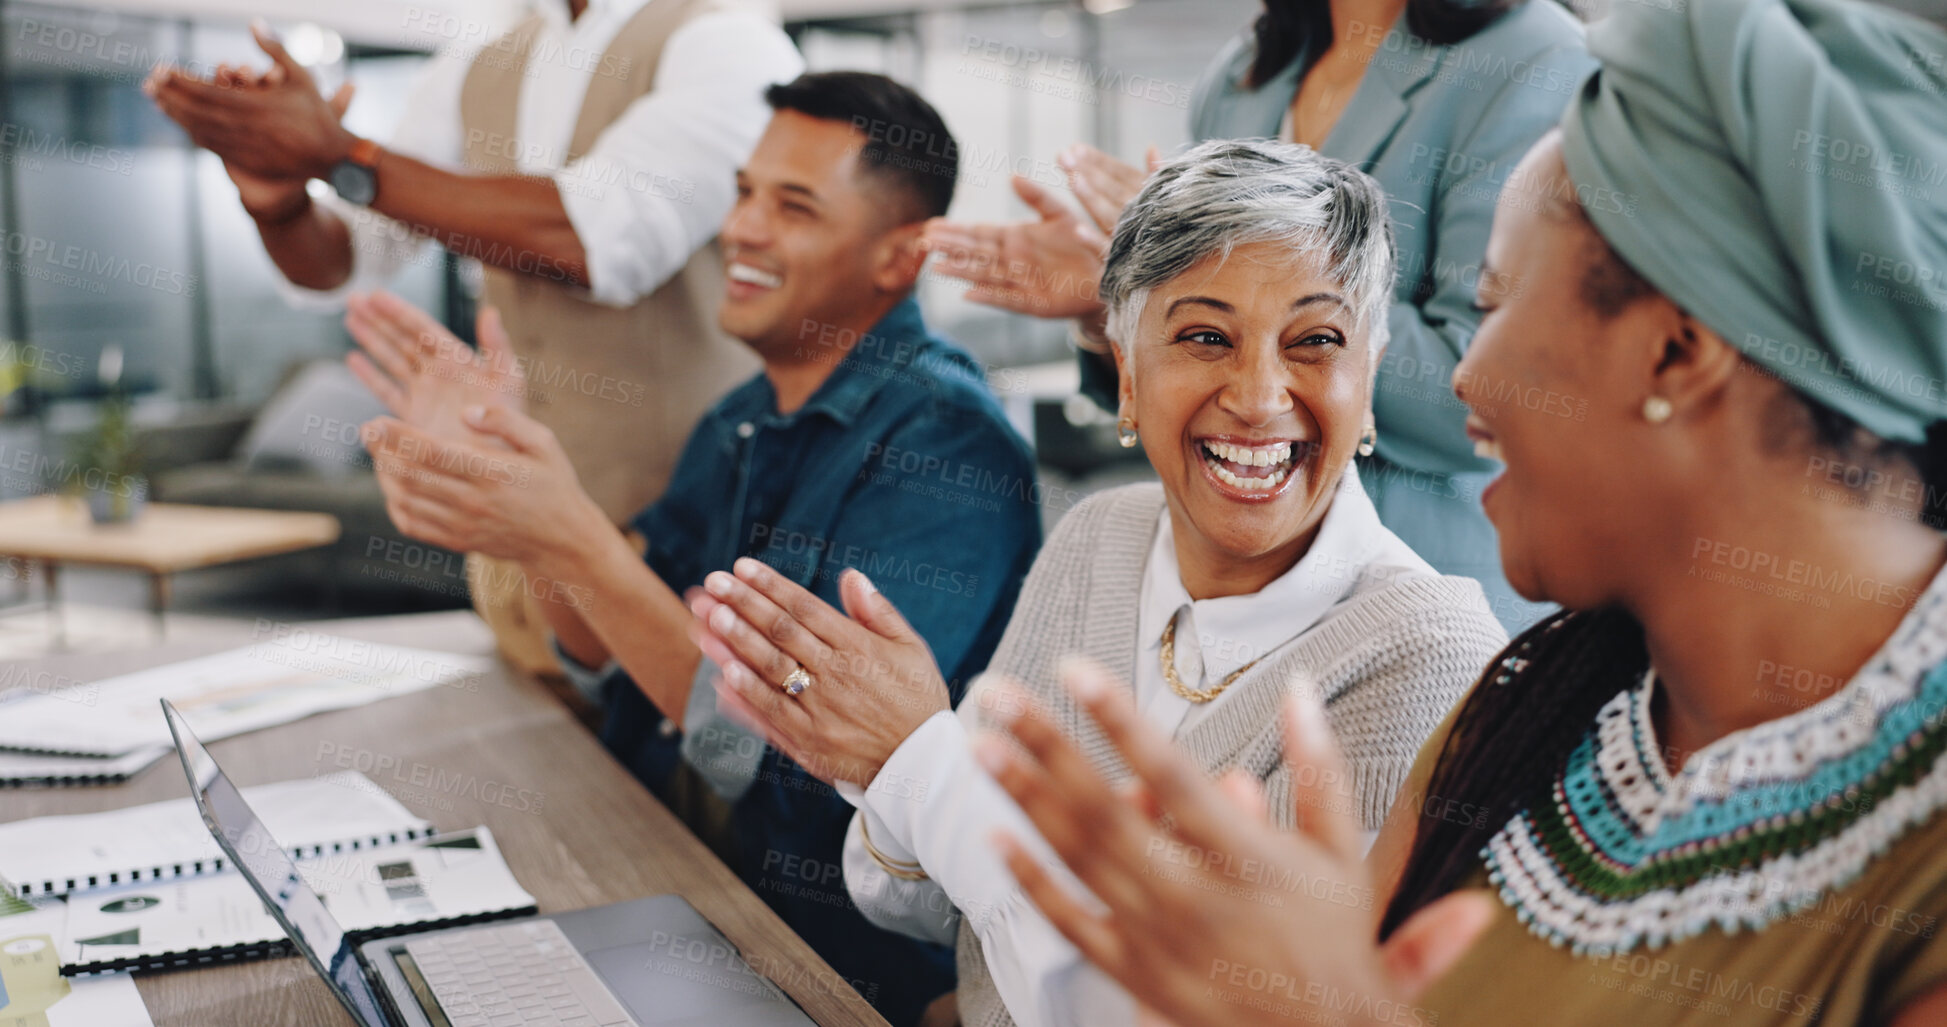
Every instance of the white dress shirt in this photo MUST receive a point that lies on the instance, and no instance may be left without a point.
(657, 182)
(1041, 977)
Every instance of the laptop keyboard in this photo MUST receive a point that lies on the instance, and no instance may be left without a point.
(513, 975)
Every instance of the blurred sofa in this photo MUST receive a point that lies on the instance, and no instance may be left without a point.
(300, 451)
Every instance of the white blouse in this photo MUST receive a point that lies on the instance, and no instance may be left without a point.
(694, 128)
(1041, 977)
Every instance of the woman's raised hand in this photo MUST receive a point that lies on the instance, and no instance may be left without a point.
(872, 678)
(1207, 914)
(1104, 184)
(1049, 267)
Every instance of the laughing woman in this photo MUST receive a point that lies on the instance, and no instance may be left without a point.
(1730, 801)
(1247, 287)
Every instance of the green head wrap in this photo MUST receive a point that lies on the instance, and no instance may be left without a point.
(1779, 169)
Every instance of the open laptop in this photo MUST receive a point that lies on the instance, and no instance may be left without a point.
(653, 962)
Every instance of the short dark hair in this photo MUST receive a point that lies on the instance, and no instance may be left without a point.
(907, 144)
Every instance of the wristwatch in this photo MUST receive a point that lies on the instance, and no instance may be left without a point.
(356, 177)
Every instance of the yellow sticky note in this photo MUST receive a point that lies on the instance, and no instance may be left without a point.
(30, 980)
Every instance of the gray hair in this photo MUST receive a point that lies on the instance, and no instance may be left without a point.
(1228, 193)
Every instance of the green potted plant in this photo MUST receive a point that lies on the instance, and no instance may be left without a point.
(108, 463)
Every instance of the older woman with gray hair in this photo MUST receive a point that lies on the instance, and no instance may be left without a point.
(1247, 288)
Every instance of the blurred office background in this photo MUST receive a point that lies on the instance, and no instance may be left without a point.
(124, 252)
(118, 232)
(124, 248)
(117, 237)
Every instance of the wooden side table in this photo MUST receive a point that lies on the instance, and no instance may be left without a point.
(163, 539)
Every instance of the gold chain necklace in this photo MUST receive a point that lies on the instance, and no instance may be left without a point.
(1176, 684)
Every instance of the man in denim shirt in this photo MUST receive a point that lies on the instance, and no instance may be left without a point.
(866, 442)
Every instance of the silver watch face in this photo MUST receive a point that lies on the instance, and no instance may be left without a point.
(355, 182)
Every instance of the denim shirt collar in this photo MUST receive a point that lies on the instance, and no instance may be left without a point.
(896, 340)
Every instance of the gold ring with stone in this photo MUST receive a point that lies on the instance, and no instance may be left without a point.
(796, 681)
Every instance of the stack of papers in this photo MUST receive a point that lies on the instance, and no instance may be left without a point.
(105, 731)
(451, 879)
(24, 769)
(308, 817)
(148, 887)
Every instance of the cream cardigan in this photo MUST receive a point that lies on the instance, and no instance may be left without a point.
(1391, 658)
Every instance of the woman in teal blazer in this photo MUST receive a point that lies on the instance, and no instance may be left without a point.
(1453, 93)
(1440, 128)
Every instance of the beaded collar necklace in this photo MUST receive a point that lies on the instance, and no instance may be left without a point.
(1756, 826)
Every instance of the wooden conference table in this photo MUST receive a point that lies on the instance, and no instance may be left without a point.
(459, 758)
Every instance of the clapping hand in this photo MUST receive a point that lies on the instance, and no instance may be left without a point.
(266, 198)
(1103, 184)
(1049, 267)
(270, 127)
(508, 491)
(873, 679)
(1052, 266)
(1212, 916)
(423, 373)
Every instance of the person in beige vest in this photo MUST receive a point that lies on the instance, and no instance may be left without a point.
(585, 157)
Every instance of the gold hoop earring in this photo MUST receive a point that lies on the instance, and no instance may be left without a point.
(1657, 410)
(1125, 433)
(1369, 440)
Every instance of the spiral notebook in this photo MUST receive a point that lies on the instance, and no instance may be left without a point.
(455, 878)
(32, 770)
(166, 840)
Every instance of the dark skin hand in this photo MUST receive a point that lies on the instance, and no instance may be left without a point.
(311, 246)
(276, 132)
(270, 197)
(276, 127)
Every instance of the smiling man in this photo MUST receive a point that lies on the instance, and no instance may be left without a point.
(865, 443)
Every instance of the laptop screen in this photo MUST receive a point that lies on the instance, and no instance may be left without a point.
(271, 871)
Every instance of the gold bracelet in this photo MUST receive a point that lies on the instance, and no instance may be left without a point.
(897, 868)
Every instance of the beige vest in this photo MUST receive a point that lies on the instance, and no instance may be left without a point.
(620, 387)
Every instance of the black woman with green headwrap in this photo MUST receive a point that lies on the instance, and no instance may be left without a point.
(1712, 790)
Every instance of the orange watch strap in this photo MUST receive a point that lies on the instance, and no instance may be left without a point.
(364, 152)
